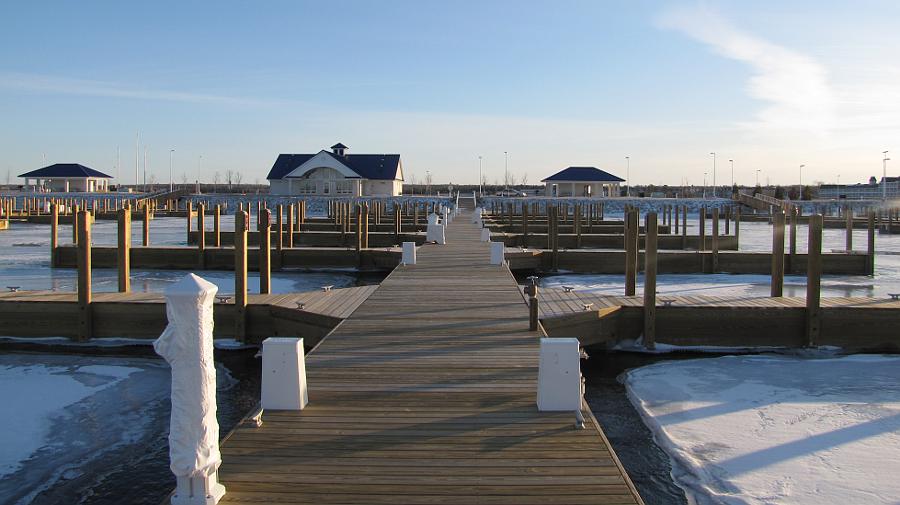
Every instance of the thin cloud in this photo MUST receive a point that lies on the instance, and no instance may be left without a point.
(795, 85)
(38, 83)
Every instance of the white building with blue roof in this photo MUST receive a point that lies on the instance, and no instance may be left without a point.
(336, 173)
(583, 182)
(67, 177)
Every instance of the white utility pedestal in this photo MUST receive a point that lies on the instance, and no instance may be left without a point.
(497, 251)
(559, 377)
(435, 230)
(409, 253)
(283, 374)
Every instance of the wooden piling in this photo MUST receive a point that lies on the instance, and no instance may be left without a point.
(777, 284)
(124, 249)
(54, 232)
(146, 226)
(631, 252)
(265, 251)
(85, 321)
(791, 264)
(365, 221)
(702, 246)
(76, 216)
(190, 217)
(715, 239)
(870, 249)
(814, 281)
(650, 238)
(241, 223)
(279, 224)
(849, 229)
(359, 227)
(524, 225)
(684, 214)
(290, 226)
(531, 290)
(217, 226)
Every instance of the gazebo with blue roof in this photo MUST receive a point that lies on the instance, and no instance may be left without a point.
(586, 182)
(67, 177)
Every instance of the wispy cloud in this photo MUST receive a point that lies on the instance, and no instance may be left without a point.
(795, 86)
(39, 83)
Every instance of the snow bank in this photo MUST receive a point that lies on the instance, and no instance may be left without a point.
(761, 429)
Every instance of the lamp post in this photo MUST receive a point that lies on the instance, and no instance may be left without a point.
(171, 172)
(704, 184)
(732, 172)
(714, 174)
(480, 179)
(801, 183)
(628, 176)
(757, 176)
(505, 170)
(884, 161)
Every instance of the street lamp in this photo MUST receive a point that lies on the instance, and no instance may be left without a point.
(480, 178)
(704, 184)
(627, 176)
(757, 176)
(884, 175)
(732, 172)
(801, 183)
(714, 173)
(171, 173)
(506, 170)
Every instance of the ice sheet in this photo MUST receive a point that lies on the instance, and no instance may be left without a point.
(776, 429)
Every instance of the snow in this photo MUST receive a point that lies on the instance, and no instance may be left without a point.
(776, 429)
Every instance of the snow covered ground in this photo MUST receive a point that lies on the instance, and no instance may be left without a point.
(777, 429)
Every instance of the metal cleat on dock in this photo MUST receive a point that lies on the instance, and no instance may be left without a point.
(568, 289)
(300, 305)
(587, 306)
(894, 296)
(223, 298)
(13, 289)
(327, 289)
(666, 302)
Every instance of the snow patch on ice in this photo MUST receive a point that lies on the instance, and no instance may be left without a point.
(776, 429)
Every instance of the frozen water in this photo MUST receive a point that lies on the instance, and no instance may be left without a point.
(776, 429)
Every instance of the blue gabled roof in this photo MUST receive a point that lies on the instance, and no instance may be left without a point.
(65, 170)
(583, 174)
(368, 166)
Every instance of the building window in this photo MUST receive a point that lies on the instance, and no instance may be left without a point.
(305, 187)
(343, 187)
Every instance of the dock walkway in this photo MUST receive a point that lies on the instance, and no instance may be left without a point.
(426, 395)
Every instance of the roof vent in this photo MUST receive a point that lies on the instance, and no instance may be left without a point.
(338, 149)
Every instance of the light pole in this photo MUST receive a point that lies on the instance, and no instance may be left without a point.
(801, 183)
(732, 172)
(506, 170)
(704, 184)
(480, 178)
(171, 172)
(428, 182)
(628, 176)
(757, 177)
(714, 174)
(884, 175)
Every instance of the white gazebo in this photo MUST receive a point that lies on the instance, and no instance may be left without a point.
(67, 177)
(585, 182)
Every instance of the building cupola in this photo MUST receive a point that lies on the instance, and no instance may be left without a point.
(338, 149)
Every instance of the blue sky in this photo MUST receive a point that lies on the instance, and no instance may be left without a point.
(771, 85)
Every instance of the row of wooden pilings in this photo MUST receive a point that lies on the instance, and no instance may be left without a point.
(813, 318)
(39, 206)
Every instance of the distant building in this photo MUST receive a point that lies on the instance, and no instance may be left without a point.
(582, 182)
(336, 173)
(67, 177)
(874, 190)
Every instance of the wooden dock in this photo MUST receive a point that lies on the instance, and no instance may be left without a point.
(426, 395)
(855, 324)
(143, 315)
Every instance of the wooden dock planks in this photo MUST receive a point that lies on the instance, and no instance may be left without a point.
(426, 394)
